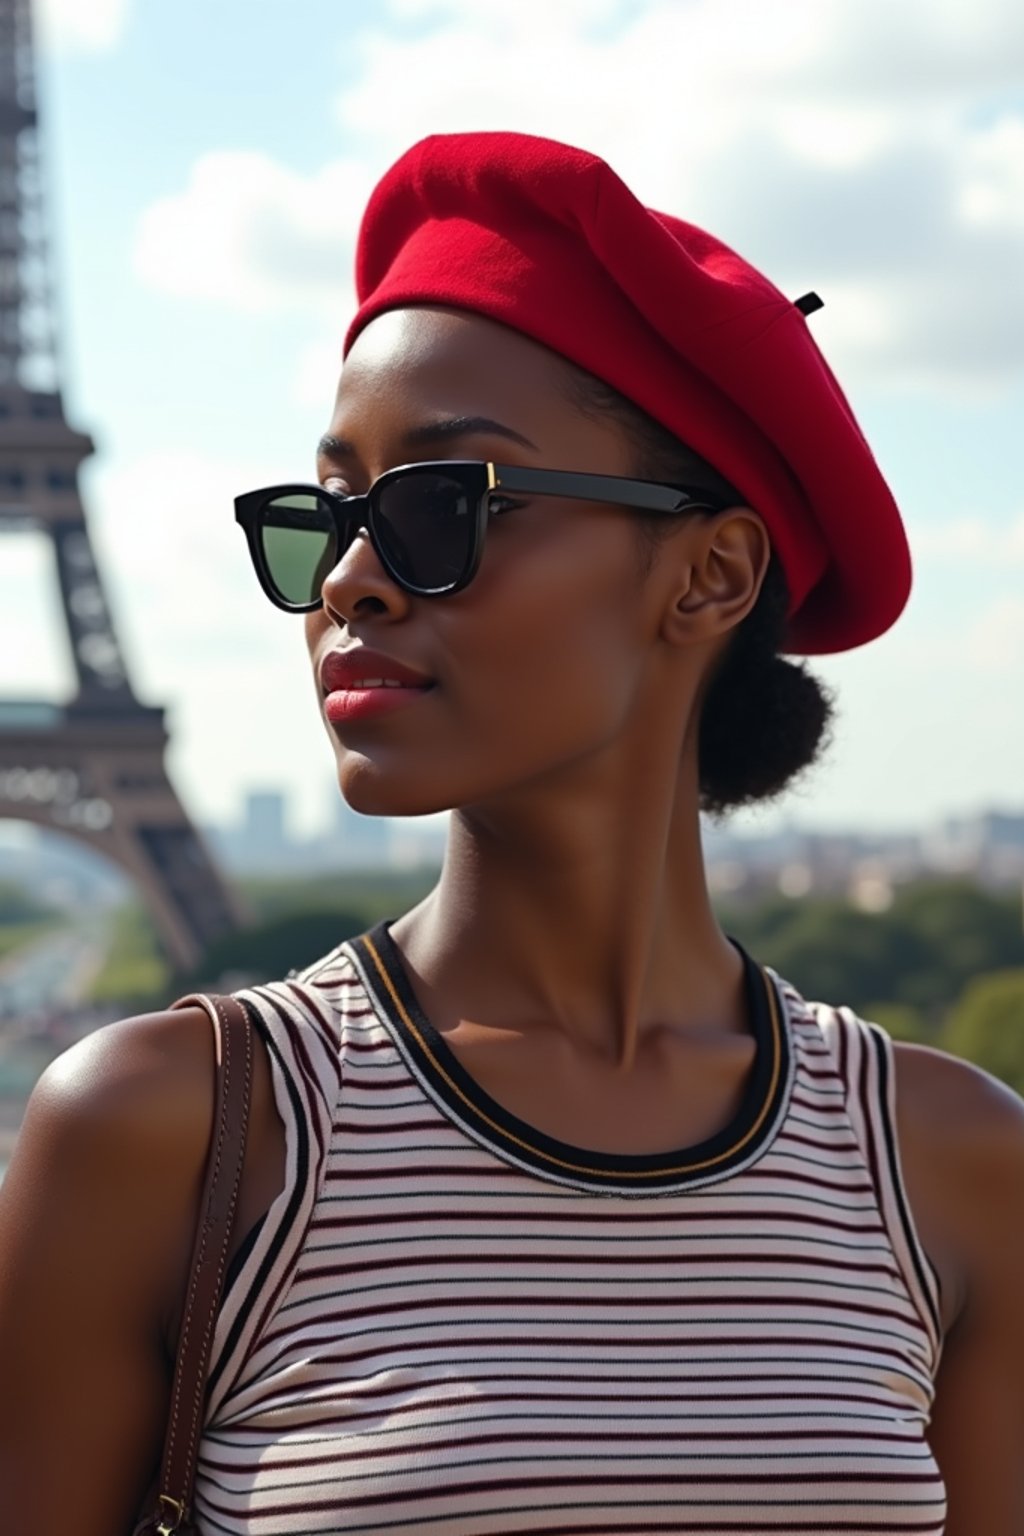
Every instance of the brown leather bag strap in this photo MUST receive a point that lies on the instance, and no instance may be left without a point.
(233, 1036)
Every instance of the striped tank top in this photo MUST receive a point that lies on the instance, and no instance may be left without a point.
(450, 1324)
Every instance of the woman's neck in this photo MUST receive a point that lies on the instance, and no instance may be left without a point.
(600, 924)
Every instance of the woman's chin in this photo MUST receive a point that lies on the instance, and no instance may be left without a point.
(370, 791)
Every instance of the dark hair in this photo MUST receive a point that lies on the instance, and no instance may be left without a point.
(765, 719)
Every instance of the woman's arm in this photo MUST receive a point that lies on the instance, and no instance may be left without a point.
(967, 1129)
(97, 1214)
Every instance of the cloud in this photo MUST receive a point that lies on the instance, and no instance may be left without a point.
(993, 190)
(165, 536)
(917, 50)
(995, 642)
(90, 25)
(971, 540)
(838, 145)
(873, 154)
(255, 235)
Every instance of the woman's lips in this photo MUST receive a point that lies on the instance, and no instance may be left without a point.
(359, 667)
(347, 704)
(360, 683)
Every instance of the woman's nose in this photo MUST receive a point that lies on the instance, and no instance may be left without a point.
(358, 583)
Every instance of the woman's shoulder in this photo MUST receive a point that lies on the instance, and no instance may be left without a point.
(105, 1172)
(143, 1084)
(122, 1122)
(966, 1122)
(939, 1087)
(961, 1140)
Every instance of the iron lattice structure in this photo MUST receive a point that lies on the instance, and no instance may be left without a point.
(94, 767)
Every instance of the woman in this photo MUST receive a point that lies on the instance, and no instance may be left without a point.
(559, 1213)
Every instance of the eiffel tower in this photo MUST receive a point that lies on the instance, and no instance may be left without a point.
(92, 768)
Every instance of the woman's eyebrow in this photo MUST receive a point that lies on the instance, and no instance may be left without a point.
(441, 431)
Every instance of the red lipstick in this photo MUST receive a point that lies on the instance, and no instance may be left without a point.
(359, 683)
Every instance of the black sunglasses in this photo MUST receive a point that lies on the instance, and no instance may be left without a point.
(426, 522)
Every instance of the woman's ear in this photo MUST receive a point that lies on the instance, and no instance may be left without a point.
(725, 560)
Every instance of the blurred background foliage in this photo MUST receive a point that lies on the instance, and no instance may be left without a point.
(22, 918)
(943, 966)
(293, 923)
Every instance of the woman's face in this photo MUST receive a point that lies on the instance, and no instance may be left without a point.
(547, 658)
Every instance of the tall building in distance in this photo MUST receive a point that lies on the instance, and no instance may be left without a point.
(261, 841)
(360, 842)
(264, 826)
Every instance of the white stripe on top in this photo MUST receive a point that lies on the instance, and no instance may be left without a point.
(452, 1325)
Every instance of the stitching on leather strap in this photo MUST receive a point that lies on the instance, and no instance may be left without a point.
(190, 1299)
(211, 1318)
(200, 1386)
(214, 1226)
(207, 1222)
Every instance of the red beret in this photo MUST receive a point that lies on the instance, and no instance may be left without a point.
(549, 241)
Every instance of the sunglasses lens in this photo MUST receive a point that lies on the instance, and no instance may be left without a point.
(424, 529)
(299, 545)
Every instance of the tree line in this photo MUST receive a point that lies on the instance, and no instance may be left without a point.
(943, 966)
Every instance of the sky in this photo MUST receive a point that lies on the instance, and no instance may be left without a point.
(208, 162)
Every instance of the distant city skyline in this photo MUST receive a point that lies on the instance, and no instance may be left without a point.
(286, 812)
(797, 861)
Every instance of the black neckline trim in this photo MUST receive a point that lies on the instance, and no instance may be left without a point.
(381, 966)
